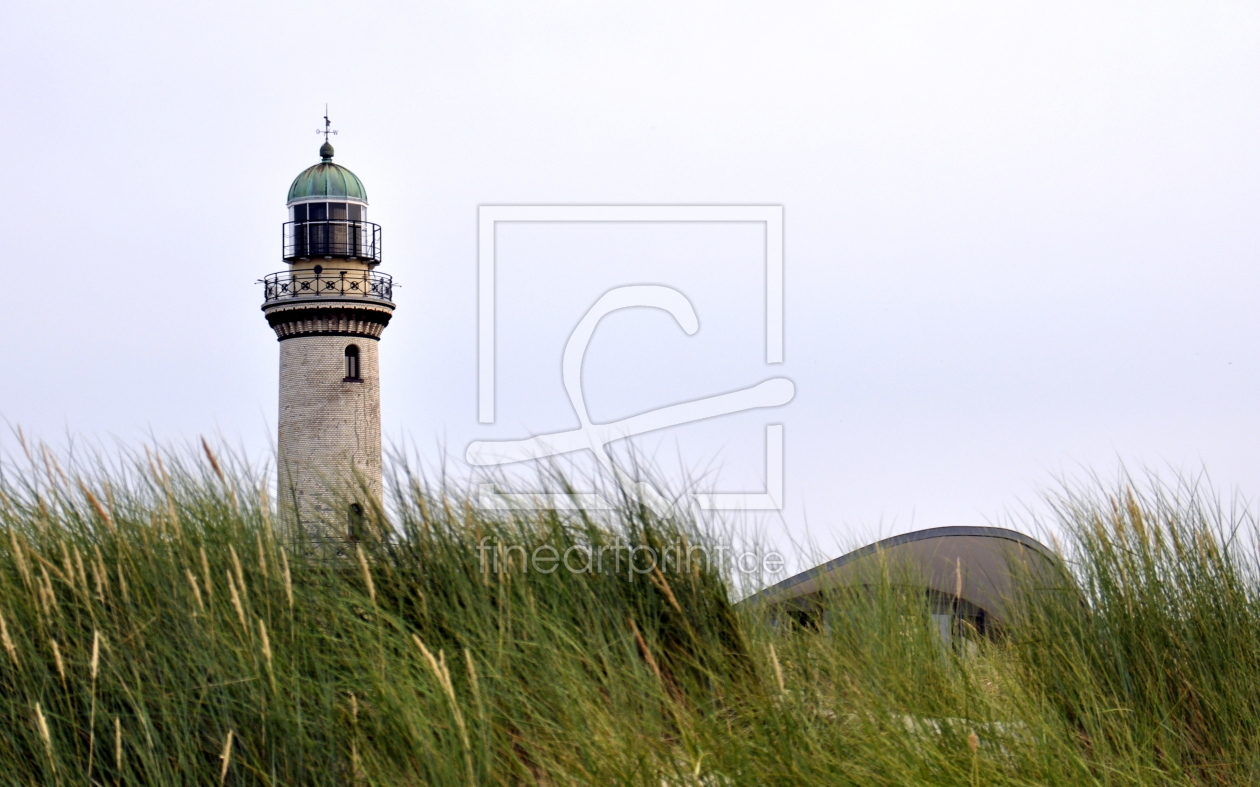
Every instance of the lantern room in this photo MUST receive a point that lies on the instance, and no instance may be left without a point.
(328, 217)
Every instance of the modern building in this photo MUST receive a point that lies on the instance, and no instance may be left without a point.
(328, 310)
(966, 574)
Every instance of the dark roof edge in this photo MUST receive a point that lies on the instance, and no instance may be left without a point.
(904, 538)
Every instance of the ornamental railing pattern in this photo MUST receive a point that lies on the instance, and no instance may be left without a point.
(359, 240)
(323, 283)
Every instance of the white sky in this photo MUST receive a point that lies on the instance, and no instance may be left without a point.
(1021, 239)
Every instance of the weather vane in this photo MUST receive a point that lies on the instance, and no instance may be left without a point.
(327, 129)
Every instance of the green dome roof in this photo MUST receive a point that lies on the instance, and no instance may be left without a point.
(327, 179)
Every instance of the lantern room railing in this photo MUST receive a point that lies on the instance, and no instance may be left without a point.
(356, 240)
(297, 285)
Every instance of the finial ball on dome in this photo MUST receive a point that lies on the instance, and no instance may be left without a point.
(327, 180)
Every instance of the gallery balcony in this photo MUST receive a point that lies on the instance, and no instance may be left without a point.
(322, 283)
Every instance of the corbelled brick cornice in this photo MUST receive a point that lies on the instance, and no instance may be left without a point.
(339, 318)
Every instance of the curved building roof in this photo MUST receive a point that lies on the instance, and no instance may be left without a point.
(947, 560)
(327, 179)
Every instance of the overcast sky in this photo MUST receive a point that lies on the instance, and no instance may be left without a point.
(1021, 240)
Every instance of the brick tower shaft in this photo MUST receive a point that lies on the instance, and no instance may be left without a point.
(328, 311)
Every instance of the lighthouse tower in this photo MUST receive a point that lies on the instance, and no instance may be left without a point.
(328, 311)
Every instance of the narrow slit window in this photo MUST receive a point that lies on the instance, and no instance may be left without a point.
(357, 524)
(352, 362)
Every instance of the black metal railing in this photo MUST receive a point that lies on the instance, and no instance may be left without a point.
(292, 285)
(360, 240)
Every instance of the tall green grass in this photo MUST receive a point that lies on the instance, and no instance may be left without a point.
(156, 632)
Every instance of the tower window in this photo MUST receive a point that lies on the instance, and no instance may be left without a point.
(357, 523)
(352, 364)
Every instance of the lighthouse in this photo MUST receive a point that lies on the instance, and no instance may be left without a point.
(328, 311)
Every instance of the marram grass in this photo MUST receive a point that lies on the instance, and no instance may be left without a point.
(154, 630)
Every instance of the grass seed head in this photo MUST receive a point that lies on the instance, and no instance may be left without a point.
(100, 575)
(101, 513)
(45, 734)
(192, 580)
(205, 573)
(288, 579)
(264, 507)
(20, 557)
(266, 642)
(644, 651)
(367, 572)
(236, 602)
(227, 752)
(658, 579)
(61, 666)
(262, 557)
(50, 596)
(778, 670)
(8, 643)
(78, 561)
(214, 462)
(172, 516)
(66, 565)
(96, 653)
(240, 573)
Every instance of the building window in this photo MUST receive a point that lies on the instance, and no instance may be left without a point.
(352, 364)
(357, 523)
